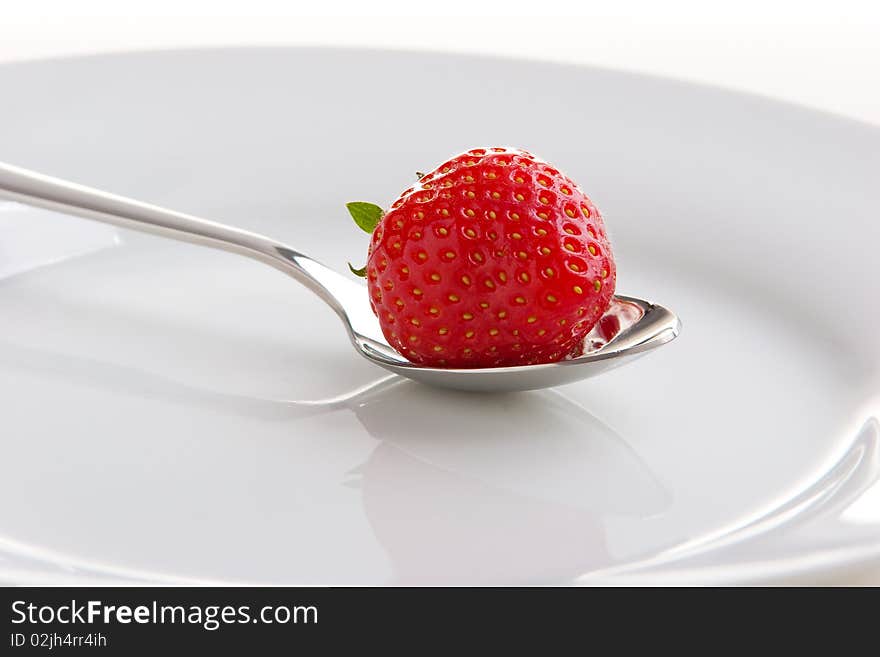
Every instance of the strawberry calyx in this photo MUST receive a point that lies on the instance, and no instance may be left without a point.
(367, 216)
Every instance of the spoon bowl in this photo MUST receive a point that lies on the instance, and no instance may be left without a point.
(636, 326)
(630, 327)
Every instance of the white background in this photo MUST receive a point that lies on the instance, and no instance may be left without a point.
(822, 54)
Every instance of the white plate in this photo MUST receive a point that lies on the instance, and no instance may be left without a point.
(175, 414)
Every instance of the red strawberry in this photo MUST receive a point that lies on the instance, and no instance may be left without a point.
(493, 259)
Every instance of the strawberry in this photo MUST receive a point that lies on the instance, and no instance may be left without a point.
(493, 259)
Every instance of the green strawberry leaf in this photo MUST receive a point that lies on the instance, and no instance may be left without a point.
(365, 215)
(362, 272)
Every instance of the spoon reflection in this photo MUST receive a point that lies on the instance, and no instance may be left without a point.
(488, 490)
(454, 487)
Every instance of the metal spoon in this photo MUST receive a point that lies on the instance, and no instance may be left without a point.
(630, 328)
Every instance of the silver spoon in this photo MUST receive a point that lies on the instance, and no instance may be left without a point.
(629, 329)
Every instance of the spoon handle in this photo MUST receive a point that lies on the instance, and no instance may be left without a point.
(30, 188)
